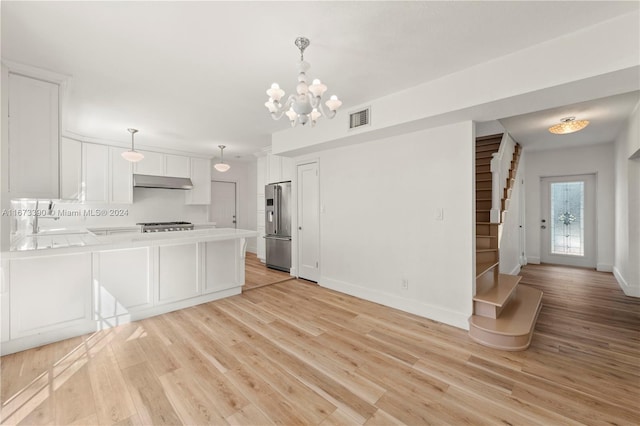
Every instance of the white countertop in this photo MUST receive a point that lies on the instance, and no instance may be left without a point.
(78, 240)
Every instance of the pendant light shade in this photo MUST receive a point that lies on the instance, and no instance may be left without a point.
(222, 166)
(132, 155)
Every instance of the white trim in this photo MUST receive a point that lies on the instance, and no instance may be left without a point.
(604, 267)
(515, 271)
(35, 72)
(626, 288)
(533, 260)
(436, 313)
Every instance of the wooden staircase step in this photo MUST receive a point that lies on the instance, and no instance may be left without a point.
(486, 241)
(492, 147)
(513, 329)
(499, 293)
(483, 267)
(485, 154)
(485, 160)
(483, 168)
(483, 175)
(487, 255)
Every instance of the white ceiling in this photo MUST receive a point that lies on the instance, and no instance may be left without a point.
(192, 75)
(606, 117)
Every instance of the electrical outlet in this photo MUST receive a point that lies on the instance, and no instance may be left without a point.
(405, 284)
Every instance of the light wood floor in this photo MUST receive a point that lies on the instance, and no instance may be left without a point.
(258, 275)
(294, 353)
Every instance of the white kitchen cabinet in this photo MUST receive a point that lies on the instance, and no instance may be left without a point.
(120, 177)
(49, 293)
(177, 166)
(122, 282)
(262, 176)
(178, 275)
(286, 168)
(274, 168)
(151, 164)
(33, 137)
(221, 268)
(70, 169)
(95, 173)
(201, 178)
(4, 301)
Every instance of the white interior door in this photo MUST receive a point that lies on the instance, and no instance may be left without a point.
(223, 204)
(568, 220)
(308, 222)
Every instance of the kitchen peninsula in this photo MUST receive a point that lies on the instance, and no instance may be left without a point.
(100, 281)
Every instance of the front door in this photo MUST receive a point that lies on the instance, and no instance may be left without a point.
(223, 204)
(568, 221)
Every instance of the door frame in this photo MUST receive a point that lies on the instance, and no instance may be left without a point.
(295, 262)
(589, 260)
(236, 203)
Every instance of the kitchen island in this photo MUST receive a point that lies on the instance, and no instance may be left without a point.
(58, 285)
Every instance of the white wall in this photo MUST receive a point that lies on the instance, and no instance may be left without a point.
(378, 224)
(244, 175)
(596, 159)
(510, 248)
(627, 206)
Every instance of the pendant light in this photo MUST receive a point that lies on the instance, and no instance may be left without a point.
(222, 166)
(132, 155)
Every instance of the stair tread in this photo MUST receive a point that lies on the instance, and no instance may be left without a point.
(499, 293)
(486, 236)
(483, 267)
(519, 316)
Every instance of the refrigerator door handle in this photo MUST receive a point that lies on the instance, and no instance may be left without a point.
(271, 237)
(278, 191)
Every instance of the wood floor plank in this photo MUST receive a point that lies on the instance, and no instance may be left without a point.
(296, 353)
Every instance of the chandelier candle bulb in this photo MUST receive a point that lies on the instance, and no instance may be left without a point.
(306, 105)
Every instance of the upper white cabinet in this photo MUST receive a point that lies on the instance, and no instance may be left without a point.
(177, 166)
(120, 178)
(159, 164)
(279, 169)
(33, 137)
(151, 164)
(201, 178)
(70, 169)
(95, 173)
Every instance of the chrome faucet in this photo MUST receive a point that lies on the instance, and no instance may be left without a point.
(36, 227)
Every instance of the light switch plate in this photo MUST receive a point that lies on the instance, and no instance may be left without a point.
(439, 213)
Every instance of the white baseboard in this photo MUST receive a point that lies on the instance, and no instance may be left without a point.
(626, 288)
(436, 313)
(515, 271)
(604, 267)
(533, 259)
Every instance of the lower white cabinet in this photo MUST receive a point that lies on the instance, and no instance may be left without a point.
(178, 275)
(122, 282)
(221, 266)
(49, 293)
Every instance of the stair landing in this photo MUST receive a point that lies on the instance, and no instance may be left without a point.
(513, 330)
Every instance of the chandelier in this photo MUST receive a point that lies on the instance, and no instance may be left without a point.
(568, 125)
(306, 106)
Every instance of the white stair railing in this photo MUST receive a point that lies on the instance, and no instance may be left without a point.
(500, 166)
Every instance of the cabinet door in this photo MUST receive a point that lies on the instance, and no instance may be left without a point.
(221, 266)
(122, 282)
(5, 308)
(274, 167)
(178, 276)
(151, 164)
(120, 178)
(70, 169)
(49, 293)
(95, 170)
(287, 168)
(177, 166)
(33, 138)
(201, 178)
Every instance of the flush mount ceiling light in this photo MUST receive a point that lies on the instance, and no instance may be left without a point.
(222, 166)
(132, 155)
(307, 104)
(568, 125)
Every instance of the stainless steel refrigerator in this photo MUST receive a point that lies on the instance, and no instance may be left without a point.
(278, 225)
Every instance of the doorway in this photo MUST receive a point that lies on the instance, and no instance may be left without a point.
(568, 220)
(308, 222)
(223, 204)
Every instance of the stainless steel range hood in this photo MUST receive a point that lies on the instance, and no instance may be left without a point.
(166, 182)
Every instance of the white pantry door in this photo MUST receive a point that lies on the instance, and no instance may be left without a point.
(223, 204)
(568, 221)
(308, 222)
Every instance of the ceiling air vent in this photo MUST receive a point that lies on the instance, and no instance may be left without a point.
(360, 118)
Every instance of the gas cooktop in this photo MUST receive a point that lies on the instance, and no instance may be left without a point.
(165, 226)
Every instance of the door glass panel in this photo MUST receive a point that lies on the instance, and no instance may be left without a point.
(567, 214)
